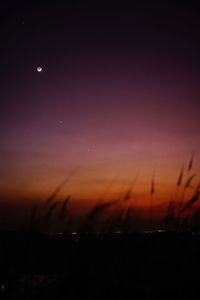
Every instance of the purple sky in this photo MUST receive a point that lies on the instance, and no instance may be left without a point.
(118, 95)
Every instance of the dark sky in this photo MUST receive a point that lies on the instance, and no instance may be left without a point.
(118, 95)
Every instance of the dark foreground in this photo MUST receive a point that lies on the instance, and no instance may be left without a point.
(137, 266)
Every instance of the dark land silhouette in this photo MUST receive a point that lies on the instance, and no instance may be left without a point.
(99, 266)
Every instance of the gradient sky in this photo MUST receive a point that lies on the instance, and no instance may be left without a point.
(118, 96)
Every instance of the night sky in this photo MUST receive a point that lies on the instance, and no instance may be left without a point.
(117, 97)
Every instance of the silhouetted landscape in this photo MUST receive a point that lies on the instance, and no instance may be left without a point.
(121, 266)
(109, 257)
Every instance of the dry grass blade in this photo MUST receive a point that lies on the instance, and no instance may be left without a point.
(180, 178)
(59, 188)
(152, 190)
(125, 225)
(107, 189)
(94, 214)
(98, 209)
(128, 193)
(51, 210)
(192, 201)
(190, 164)
(63, 210)
(188, 182)
(197, 187)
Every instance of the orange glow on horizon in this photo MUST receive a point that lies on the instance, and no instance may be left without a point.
(100, 182)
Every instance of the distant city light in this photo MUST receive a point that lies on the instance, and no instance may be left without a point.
(2, 288)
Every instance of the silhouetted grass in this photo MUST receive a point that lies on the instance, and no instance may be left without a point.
(114, 215)
(94, 214)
